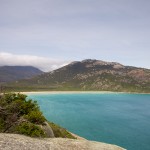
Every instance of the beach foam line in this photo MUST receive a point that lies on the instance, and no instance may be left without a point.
(79, 92)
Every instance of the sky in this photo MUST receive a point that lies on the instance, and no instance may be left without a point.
(51, 33)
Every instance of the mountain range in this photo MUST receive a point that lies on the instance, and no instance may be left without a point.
(89, 75)
(14, 73)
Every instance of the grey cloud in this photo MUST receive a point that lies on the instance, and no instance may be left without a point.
(45, 64)
(77, 29)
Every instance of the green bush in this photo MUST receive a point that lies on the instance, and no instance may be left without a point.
(28, 106)
(30, 129)
(23, 116)
(35, 117)
(18, 103)
(13, 107)
(60, 132)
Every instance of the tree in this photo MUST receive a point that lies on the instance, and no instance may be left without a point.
(17, 112)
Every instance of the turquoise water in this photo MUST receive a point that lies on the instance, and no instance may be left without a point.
(121, 119)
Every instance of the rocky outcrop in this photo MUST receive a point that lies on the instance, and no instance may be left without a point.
(47, 130)
(21, 142)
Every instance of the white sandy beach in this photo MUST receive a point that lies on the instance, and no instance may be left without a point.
(76, 92)
(65, 92)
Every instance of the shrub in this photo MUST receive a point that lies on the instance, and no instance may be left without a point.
(28, 106)
(60, 132)
(23, 116)
(30, 129)
(35, 117)
(15, 106)
(19, 103)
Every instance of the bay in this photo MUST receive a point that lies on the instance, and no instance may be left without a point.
(116, 118)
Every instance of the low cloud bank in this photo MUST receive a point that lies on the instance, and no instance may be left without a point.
(45, 64)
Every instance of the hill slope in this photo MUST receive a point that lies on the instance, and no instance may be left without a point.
(13, 73)
(91, 75)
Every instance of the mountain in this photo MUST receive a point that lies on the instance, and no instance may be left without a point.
(13, 73)
(90, 75)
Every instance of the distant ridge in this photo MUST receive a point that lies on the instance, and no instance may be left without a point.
(13, 73)
(91, 75)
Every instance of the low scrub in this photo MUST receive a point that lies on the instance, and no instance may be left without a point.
(30, 129)
(60, 132)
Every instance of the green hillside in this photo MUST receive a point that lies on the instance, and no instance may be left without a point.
(89, 75)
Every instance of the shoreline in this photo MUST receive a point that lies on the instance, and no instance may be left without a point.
(78, 92)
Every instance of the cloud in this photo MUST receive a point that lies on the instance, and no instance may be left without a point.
(43, 63)
(74, 30)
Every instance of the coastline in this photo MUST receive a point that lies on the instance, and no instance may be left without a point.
(79, 92)
(64, 92)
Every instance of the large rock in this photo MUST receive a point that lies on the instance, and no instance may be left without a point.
(21, 142)
(48, 130)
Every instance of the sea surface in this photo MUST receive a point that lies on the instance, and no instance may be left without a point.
(115, 118)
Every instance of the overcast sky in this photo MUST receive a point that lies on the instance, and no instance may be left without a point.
(52, 33)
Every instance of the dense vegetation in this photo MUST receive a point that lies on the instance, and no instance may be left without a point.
(23, 116)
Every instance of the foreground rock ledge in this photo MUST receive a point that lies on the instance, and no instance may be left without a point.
(21, 142)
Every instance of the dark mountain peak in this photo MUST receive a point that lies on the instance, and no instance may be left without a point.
(91, 63)
(20, 68)
(87, 65)
(13, 73)
(73, 63)
(99, 62)
(88, 60)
